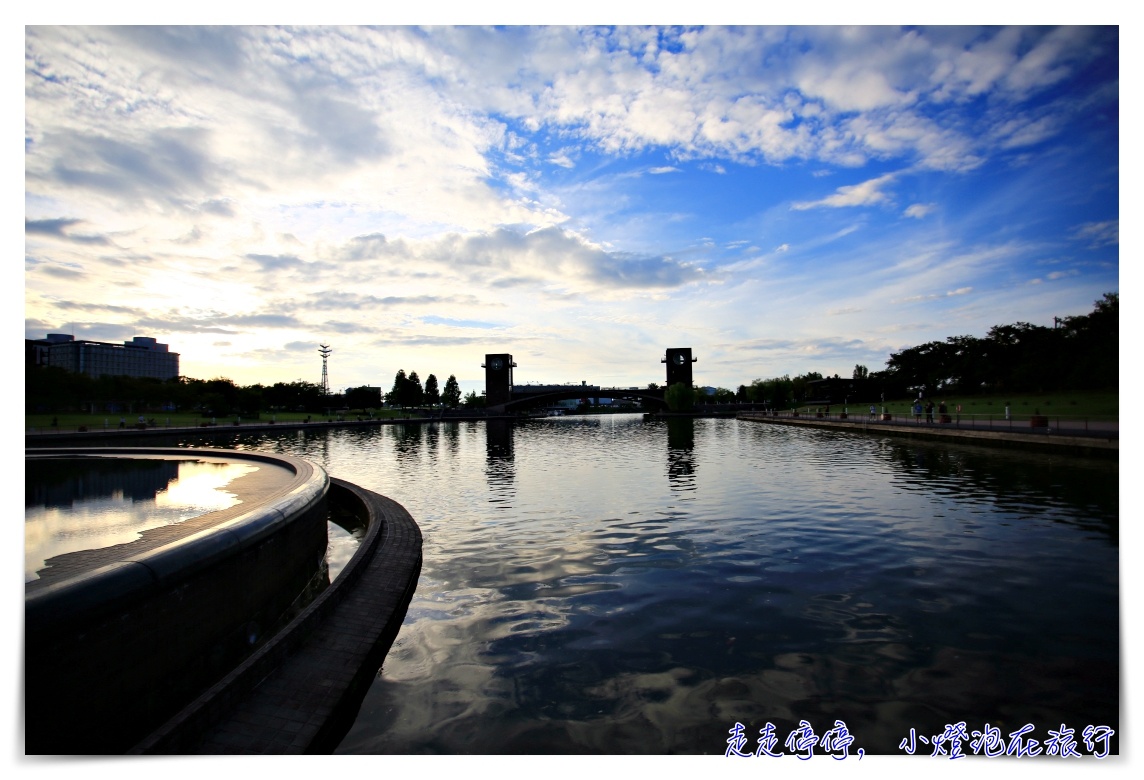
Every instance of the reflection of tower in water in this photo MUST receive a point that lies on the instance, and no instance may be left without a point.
(500, 467)
(681, 453)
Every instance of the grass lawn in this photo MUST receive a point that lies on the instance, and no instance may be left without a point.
(1097, 406)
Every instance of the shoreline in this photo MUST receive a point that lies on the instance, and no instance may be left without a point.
(1103, 444)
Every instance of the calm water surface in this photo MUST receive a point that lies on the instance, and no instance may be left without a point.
(73, 504)
(602, 584)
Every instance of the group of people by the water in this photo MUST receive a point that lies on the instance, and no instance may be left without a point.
(928, 409)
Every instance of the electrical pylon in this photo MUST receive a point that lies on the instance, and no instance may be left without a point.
(325, 353)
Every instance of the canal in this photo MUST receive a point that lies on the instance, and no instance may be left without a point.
(607, 584)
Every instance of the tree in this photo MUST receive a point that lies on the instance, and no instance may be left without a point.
(680, 397)
(416, 392)
(432, 394)
(474, 401)
(363, 397)
(452, 395)
(860, 372)
(294, 396)
(800, 383)
(647, 403)
(397, 396)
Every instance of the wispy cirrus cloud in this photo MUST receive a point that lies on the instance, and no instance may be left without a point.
(936, 296)
(1098, 234)
(61, 228)
(868, 193)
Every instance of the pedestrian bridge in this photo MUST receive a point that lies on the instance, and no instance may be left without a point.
(503, 396)
(530, 396)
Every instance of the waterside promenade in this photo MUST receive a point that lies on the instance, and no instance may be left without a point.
(1077, 435)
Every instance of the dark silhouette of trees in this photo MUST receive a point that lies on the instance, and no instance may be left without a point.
(1080, 353)
(451, 396)
(416, 393)
(297, 396)
(363, 397)
(432, 393)
(53, 389)
(680, 397)
(399, 395)
(775, 392)
(407, 391)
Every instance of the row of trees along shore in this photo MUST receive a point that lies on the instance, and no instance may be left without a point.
(1078, 353)
(408, 391)
(52, 389)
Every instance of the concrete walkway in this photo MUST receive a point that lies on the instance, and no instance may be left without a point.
(1097, 438)
(302, 690)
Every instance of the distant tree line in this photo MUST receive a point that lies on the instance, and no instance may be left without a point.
(408, 391)
(52, 389)
(778, 392)
(49, 388)
(1078, 353)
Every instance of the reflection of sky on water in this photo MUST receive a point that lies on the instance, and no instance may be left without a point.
(118, 518)
(609, 585)
(341, 547)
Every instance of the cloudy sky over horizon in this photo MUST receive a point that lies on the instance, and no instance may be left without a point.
(779, 199)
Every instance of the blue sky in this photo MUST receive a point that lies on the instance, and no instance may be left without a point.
(779, 199)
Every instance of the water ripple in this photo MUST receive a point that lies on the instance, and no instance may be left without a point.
(605, 584)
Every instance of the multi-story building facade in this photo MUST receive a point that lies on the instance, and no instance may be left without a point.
(142, 356)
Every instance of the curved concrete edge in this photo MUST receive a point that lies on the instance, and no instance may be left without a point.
(330, 700)
(136, 577)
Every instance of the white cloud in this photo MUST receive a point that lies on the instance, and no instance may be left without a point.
(1099, 234)
(294, 181)
(935, 296)
(867, 193)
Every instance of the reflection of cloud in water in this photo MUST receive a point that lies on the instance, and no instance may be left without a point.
(655, 712)
(91, 524)
(341, 546)
(807, 575)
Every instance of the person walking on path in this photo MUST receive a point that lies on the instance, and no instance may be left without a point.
(917, 411)
(929, 411)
